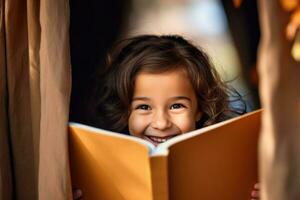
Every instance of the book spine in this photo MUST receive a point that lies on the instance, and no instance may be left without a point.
(159, 176)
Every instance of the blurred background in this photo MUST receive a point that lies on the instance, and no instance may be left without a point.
(228, 34)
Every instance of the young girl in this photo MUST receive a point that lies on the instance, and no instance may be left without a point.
(161, 83)
(158, 87)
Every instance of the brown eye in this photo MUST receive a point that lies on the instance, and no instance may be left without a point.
(143, 107)
(177, 106)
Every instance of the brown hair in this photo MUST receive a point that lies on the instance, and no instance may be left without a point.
(156, 54)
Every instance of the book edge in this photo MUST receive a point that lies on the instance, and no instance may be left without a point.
(162, 149)
(95, 130)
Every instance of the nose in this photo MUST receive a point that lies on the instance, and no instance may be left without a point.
(160, 120)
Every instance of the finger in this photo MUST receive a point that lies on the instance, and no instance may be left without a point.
(255, 194)
(257, 186)
(77, 194)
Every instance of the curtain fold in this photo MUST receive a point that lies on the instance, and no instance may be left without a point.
(54, 178)
(19, 109)
(5, 160)
(280, 97)
(35, 81)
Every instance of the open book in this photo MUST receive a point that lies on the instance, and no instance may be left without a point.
(216, 162)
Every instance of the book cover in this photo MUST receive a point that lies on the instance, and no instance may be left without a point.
(215, 162)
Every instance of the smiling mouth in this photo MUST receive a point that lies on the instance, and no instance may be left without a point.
(158, 140)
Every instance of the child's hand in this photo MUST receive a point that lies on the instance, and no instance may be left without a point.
(77, 194)
(255, 192)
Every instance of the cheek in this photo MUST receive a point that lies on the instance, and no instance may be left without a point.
(137, 125)
(185, 123)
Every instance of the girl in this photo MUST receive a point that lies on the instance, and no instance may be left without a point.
(157, 87)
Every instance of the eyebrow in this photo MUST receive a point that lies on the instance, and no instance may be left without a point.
(173, 98)
(181, 98)
(140, 98)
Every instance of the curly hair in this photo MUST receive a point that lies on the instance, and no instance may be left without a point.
(157, 54)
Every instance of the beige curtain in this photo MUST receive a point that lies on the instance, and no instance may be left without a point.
(34, 99)
(280, 96)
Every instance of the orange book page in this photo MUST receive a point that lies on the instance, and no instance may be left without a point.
(106, 167)
(218, 164)
(159, 169)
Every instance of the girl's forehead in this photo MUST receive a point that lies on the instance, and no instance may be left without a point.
(163, 88)
(169, 81)
(176, 78)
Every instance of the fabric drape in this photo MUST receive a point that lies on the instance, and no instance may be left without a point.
(280, 97)
(34, 99)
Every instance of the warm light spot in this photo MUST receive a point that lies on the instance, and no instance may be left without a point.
(289, 5)
(237, 3)
(296, 49)
(294, 24)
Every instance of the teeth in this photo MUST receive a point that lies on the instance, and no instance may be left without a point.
(157, 139)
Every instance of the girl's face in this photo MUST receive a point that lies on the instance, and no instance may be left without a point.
(164, 105)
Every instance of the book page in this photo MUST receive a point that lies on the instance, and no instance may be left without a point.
(106, 167)
(159, 174)
(163, 148)
(220, 163)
